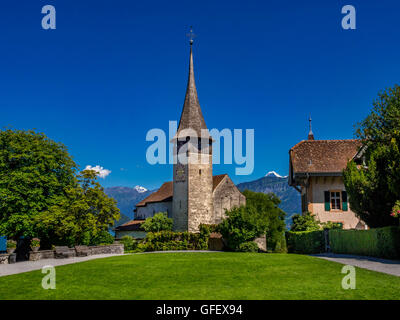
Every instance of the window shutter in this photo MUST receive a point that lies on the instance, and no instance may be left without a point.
(344, 201)
(327, 201)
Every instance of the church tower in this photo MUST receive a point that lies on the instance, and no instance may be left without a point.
(192, 170)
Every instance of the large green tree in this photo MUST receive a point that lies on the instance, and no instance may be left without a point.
(34, 173)
(81, 215)
(41, 194)
(374, 185)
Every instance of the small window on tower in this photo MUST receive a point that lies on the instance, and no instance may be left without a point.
(199, 171)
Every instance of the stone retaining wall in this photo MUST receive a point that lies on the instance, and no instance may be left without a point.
(112, 248)
(50, 254)
(4, 258)
(41, 254)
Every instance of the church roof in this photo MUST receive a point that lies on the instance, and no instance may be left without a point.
(322, 156)
(191, 117)
(166, 191)
(163, 194)
(133, 225)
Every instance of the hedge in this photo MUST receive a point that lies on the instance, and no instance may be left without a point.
(379, 242)
(305, 242)
(169, 240)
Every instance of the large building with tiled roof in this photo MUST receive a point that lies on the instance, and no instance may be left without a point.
(316, 171)
(194, 196)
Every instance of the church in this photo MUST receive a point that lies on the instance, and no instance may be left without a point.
(194, 196)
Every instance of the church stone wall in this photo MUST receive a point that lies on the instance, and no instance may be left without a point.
(200, 200)
(226, 196)
(152, 208)
(180, 201)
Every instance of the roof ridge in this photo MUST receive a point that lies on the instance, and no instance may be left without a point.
(324, 141)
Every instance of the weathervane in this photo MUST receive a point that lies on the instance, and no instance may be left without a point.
(191, 35)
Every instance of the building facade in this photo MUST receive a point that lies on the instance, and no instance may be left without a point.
(315, 170)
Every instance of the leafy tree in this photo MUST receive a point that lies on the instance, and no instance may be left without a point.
(41, 195)
(374, 187)
(261, 215)
(159, 222)
(269, 205)
(305, 222)
(34, 173)
(83, 214)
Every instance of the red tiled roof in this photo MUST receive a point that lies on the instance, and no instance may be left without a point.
(132, 222)
(162, 194)
(323, 156)
(133, 225)
(166, 191)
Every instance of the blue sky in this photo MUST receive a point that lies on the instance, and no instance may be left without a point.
(112, 70)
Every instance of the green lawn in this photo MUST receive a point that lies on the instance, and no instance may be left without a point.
(202, 276)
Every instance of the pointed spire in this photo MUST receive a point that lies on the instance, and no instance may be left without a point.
(310, 133)
(191, 116)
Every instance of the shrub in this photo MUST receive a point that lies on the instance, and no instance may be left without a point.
(168, 240)
(242, 224)
(305, 242)
(129, 243)
(380, 242)
(35, 243)
(249, 246)
(11, 244)
(396, 210)
(332, 225)
(159, 222)
(103, 237)
(280, 245)
(305, 222)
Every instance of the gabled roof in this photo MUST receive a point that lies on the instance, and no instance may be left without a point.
(166, 191)
(322, 156)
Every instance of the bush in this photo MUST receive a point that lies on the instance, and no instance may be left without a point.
(249, 246)
(242, 225)
(11, 244)
(35, 242)
(103, 237)
(305, 242)
(159, 222)
(168, 240)
(280, 245)
(380, 242)
(129, 243)
(276, 242)
(305, 222)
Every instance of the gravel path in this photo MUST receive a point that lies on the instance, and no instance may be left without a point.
(25, 266)
(375, 264)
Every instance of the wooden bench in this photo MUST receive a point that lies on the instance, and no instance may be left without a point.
(82, 251)
(64, 252)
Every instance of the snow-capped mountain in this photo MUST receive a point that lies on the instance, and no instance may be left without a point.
(274, 174)
(140, 189)
(126, 199)
(273, 182)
